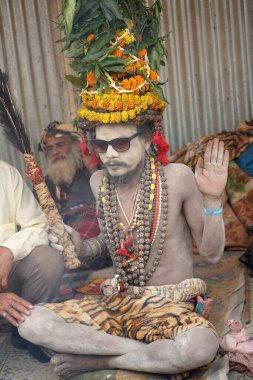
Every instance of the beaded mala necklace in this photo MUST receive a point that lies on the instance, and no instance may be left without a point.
(149, 212)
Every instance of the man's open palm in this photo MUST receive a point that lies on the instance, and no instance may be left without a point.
(212, 171)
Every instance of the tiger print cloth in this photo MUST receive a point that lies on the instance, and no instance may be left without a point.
(163, 312)
(236, 142)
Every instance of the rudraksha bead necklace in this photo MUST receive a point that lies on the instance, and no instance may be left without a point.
(149, 212)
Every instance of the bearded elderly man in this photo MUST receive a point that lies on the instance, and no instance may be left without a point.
(68, 177)
(149, 213)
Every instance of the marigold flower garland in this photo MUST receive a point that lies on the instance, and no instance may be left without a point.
(120, 107)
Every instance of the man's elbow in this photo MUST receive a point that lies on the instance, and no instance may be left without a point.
(213, 258)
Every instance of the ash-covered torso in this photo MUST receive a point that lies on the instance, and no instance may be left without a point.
(145, 227)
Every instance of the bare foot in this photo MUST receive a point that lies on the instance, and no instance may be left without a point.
(67, 365)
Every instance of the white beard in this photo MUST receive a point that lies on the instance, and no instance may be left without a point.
(64, 171)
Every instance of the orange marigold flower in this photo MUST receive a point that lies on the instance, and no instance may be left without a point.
(130, 105)
(91, 78)
(121, 42)
(130, 68)
(133, 83)
(118, 105)
(142, 53)
(118, 53)
(106, 104)
(126, 84)
(94, 104)
(90, 37)
(139, 79)
(132, 25)
(153, 75)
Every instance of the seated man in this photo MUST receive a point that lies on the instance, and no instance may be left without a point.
(149, 213)
(30, 270)
(68, 178)
(146, 320)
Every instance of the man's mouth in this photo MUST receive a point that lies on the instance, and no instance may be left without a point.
(114, 164)
(56, 159)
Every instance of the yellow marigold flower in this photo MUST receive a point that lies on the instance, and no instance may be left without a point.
(144, 106)
(151, 196)
(124, 116)
(81, 113)
(152, 186)
(117, 117)
(103, 199)
(153, 176)
(150, 207)
(106, 118)
(138, 110)
(102, 189)
(128, 39)
(131, 114)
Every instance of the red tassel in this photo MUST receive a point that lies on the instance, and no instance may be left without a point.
(124, 252)
(84, 147)
(94, 159)
(162, 147)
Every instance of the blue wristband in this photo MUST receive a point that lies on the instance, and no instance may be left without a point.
(213, 212)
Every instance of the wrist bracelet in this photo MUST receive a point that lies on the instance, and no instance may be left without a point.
(213, 212)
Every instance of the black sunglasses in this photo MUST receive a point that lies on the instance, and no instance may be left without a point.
(120, 144)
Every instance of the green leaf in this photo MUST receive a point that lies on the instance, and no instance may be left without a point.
(116, 69)
(76, 81)
(69, 9)
(99, 43)
(110, 9)
(156, 88)
(114, 61)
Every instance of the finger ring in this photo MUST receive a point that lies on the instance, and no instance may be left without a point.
(5, 314)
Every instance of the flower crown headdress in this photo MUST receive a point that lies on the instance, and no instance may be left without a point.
(116, 53)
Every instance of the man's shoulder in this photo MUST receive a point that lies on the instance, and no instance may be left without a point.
(6, 167)
(177, 170)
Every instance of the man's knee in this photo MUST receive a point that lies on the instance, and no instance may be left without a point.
(37, 328)
(202, 342)
(49, 261)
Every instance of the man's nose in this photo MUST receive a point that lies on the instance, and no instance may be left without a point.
(54, 152)
(111, 152)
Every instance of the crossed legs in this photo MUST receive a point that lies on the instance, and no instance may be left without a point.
(85, 349)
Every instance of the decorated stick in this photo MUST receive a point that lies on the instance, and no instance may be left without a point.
(15, 132)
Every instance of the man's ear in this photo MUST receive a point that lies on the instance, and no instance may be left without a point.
(147, 141)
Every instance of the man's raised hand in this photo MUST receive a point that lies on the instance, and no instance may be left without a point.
(212, 171)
